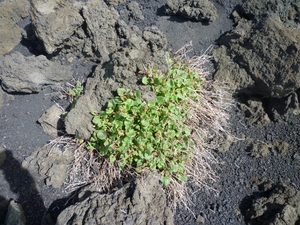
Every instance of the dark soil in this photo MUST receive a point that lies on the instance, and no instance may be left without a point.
(239, 173)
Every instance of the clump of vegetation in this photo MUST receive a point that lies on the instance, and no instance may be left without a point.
(75, 92)
(171, 134)
(138, 134)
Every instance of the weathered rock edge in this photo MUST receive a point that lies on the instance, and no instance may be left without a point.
(140, 202)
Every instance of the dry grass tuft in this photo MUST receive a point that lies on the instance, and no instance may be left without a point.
(90, 168)
(208, 117)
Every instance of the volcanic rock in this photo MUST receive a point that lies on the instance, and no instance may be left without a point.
(141, 202)
(29, 74)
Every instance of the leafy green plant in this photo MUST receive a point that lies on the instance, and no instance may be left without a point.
(138, 134)
(75, 92)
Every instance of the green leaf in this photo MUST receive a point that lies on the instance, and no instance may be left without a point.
(145, 123)
(101, 134)
(121, 91)
(94, 113)
(122, 164)
(89, 146)
(165, 180)
(145, 80)
(129, 103)
(109, 111)
(160, 100)
(112, 158)
(182, 177)
(130, 133)
(96, 120)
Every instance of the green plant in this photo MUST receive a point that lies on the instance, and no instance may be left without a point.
(138, 134)
(75, 92)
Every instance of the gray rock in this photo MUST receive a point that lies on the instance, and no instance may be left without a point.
(280, 109)
(11, 12)
(51, 120)
(14, 10)
(126, 51)
(263, 149)
(114, 2)
(101, 21)
(133, 12)
(280, 147)
(51, 163)
(269, 53)
(278, 205)
(55, 22)
(30, 74)
(231, 73)
(259, 149)
(255, 113)
(141, 202)
(1, 97)
(10, 35)
(15, 214)
(287, 10)
(199, 10)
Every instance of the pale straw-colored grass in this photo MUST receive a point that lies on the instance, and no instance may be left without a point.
(207, 117)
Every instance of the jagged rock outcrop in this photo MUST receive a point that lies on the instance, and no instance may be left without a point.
(141, 202)
(287, 10)
(269, 53)
(199, 10)
(55, 22)
(275, 205)
(29, 74)
(260, 57)
(51, 163)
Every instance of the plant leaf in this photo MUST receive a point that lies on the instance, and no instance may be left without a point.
(101, 134)
(145, 80)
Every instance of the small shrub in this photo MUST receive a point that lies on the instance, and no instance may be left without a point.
(138, 134)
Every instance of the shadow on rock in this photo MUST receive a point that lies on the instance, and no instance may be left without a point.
(22, 183)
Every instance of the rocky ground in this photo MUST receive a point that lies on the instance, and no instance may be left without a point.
(45, 46)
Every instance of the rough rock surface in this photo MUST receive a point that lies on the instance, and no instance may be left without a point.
(1, 97)
(279, 109)
(199, 10)
(100, 22)
(141, 202)
(133, 12)
(15, 214)
(262, 149)
(275, 205)
(269, 53)
(51, 163)
(11, 12)
(288, 10)
(54, 21)
(51, 121)
(127, 50)
(114, 2)
(29, 74)
(255, 113)
(9, 30)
